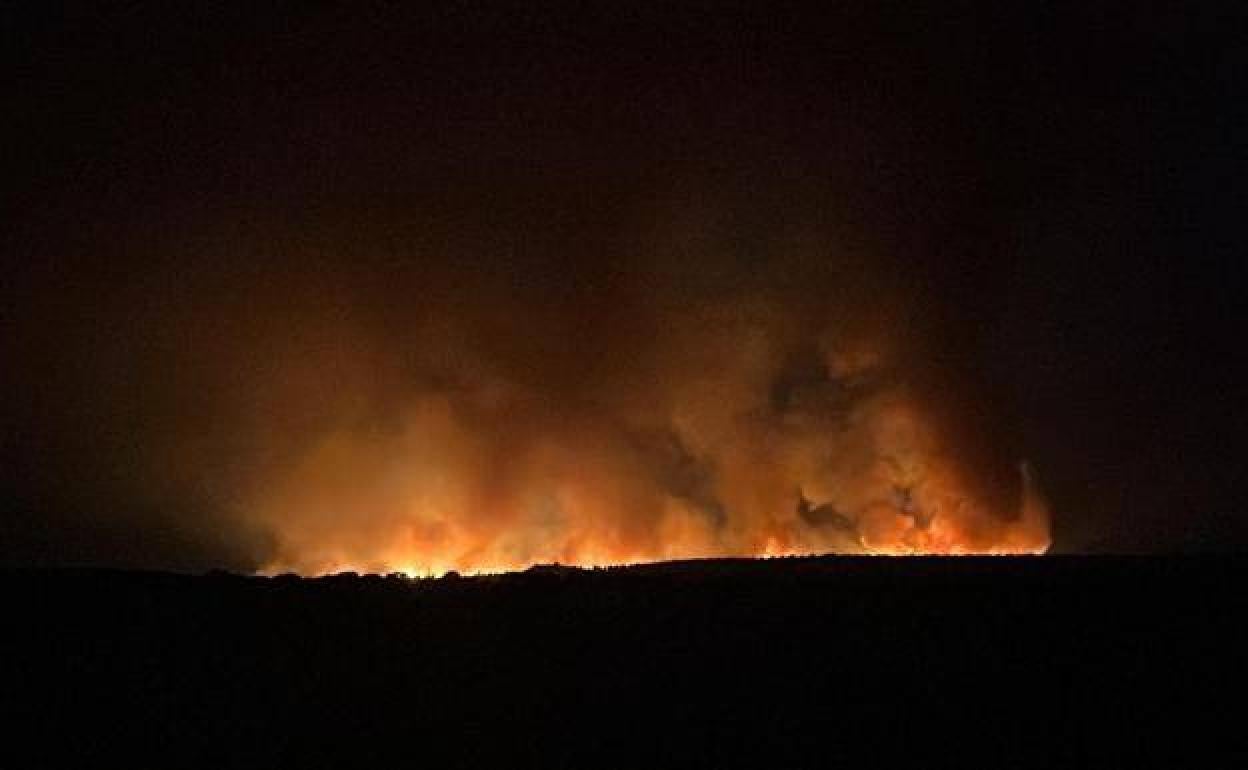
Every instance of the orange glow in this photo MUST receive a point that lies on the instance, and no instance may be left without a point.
(481, 487)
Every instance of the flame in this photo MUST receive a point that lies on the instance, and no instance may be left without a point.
(484, 483)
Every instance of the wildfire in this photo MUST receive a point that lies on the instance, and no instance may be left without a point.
(451, 491)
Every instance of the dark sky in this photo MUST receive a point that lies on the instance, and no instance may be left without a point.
(218, 221)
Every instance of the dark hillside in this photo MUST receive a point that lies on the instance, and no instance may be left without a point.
(703, 663)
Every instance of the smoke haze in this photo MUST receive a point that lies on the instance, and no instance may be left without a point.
(692, 392)
(453, 287)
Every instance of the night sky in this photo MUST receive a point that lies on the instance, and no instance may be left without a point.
(229, 233)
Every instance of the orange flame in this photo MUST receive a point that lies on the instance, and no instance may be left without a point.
(493, 484)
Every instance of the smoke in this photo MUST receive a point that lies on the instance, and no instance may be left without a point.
(639, 410)
(488, 395)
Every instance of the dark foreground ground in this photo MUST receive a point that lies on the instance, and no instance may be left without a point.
(1000, 661)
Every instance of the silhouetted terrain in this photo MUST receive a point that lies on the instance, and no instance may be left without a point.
(709, 663)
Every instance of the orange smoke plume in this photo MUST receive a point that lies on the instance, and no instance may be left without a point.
(729, 430)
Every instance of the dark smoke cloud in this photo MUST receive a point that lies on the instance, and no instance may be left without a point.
(359, 289)
(722, 385)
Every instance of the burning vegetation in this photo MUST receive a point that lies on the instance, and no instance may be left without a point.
(711, 380)
(722, 429)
